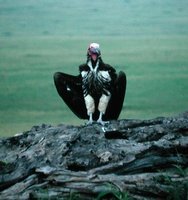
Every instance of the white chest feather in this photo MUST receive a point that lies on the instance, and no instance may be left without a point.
(104, 75)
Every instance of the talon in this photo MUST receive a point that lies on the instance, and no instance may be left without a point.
(89, 122)
(102, 122)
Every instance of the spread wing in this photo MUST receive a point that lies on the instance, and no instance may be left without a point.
(117, 98)
(69, 88)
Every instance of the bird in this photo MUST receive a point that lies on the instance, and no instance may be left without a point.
(97, 79)
(97, 93)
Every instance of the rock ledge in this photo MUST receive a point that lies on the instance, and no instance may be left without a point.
(134, 159)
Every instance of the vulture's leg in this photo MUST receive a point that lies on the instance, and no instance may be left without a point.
(70, 90)
(103, 103)
(90, 106)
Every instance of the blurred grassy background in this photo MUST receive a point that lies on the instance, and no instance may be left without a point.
(146, 39)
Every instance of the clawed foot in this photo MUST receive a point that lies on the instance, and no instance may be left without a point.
(98, 122)
(89, 122)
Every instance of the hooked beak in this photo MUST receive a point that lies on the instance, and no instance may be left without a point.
(94, 56)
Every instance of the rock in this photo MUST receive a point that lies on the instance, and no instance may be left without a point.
(139, 159)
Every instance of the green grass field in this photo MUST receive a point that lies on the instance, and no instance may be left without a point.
(146, 39)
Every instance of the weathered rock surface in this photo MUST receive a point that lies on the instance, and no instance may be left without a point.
(134, 159)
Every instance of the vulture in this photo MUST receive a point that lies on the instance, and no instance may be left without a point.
(97, 93)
